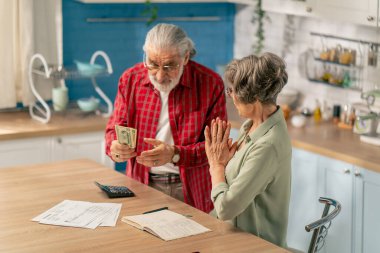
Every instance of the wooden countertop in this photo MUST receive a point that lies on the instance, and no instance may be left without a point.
(324, 138)
(329, 140)
(26, 192)
(17, 125)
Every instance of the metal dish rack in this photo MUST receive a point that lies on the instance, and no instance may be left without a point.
(334, 68)
(39, 109)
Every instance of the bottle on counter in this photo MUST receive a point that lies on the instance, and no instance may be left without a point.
(326, 111)
(317, 112)
(336, 114)
(347, 117)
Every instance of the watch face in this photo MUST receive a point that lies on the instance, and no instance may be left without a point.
(175, 158)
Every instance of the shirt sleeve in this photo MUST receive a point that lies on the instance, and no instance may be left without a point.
(119, 115)
(256, 173)
(195, 155)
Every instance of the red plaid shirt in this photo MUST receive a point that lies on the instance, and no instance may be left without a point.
(193, 103)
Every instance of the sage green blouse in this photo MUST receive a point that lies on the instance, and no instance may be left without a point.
(256, 195)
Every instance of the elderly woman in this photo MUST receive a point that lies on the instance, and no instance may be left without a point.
(251, 178)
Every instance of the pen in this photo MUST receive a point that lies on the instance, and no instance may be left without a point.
(156, 210)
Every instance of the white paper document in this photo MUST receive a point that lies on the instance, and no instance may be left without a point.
(166, 224)
(81, 214)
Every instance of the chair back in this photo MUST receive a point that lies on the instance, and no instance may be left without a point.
(321, 226)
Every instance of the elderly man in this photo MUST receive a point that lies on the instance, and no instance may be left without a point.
(169, 99)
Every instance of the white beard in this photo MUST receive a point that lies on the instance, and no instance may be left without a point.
(169, 86)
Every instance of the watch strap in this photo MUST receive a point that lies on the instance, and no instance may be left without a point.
(176, 156)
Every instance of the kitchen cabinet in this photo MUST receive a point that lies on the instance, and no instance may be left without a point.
(88, 145)
(353, 11)
(360, 12)
(367, 210)
(304, 207)
(338, 183)
(24, 151)
(355, 229)
(299, 8)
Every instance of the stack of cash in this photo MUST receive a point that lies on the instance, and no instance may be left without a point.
(126, 135)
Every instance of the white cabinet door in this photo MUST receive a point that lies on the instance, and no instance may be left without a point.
(356, 228)
(25, 152)
(299, 8)
(360, 12)
(304, 206)
(76, 146)
(367, 235)
(54, 148)
(338, 184)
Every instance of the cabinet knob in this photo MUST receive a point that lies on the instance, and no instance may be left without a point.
(59, 140)
(347, 171)
(357, 174)
(309, 9)
(371, 18)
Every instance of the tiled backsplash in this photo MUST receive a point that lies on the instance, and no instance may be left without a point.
(289, 36)
(123, 41)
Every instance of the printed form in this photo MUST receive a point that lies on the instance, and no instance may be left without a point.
(81, 214)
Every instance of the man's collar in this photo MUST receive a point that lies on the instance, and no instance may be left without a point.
(186, 78)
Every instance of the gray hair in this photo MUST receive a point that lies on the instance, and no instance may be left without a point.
(165, 36)
(257, 78)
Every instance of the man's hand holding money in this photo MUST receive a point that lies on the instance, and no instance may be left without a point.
(124, 147)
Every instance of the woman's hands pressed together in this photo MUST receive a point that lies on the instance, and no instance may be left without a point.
(219, 149)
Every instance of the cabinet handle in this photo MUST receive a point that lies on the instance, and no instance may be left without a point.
(59, 140)
(309, 9)
(370, 18)
(357, 174)
(347, 171)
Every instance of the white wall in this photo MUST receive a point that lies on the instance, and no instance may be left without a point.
(47, 26)
(289, 36)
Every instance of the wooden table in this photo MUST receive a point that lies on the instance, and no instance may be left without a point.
(26, 192)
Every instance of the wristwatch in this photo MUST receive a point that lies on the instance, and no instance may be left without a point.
(176, 157)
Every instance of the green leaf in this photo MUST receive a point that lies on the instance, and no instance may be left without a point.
(151, 11)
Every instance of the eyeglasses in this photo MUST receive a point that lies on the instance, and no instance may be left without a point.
(154, 67)
(229, 91)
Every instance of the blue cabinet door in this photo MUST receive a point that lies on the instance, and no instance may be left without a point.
(338, 184)
(367, 210)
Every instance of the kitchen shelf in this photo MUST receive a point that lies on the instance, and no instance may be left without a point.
(39, 109)
(330, 36)
(247, 2)
(333, 85)
(327, 69)
(161, 19)
(67, 73)
(339, 64)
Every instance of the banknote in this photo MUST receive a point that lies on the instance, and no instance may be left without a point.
(126, 135)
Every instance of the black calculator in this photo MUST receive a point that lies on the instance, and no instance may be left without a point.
(113, 191)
